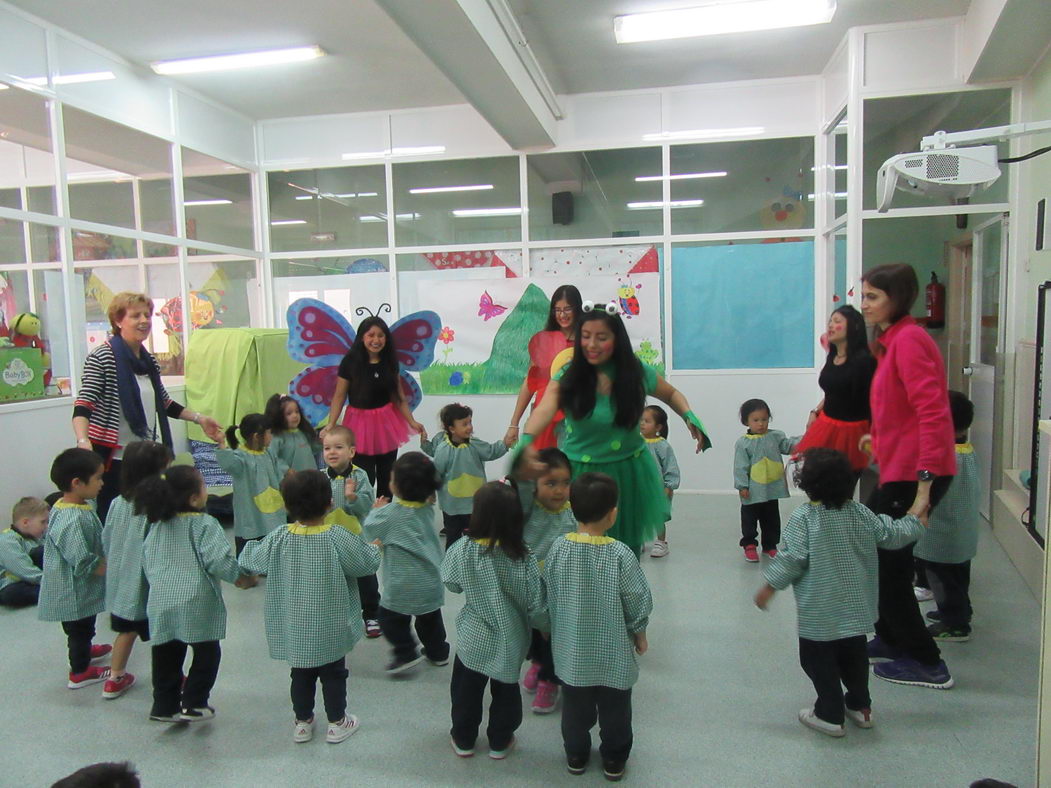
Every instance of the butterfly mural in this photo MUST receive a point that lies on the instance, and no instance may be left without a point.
(487, 309)
(320, 336)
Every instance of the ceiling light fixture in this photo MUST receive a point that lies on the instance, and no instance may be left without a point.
(478, 187)
(419, 150)
(401, 217)
(466, 213)
(647, 206)
(192, 203)
(704, 134)
(74, 79)
(684, 176)
(287, 222)
(722, 17)
(197, 65)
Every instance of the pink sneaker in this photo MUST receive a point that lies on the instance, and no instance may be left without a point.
(115, 687)
(532, 676)
(93, 675)
(770, 553)
(101, 650)
(751, 555)
(546, 697)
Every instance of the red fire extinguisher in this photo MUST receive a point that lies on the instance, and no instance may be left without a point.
(935, 303)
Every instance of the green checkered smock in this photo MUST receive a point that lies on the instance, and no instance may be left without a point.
(597, 598)
(312, 613)
(350, 514)
(545, 526)
(257, 475)
(410, 572)
(461, 468)
(294, 449)
(501, 595)
(952, 532)
(69, 588)
(829, 556)
(184, 559)
(758, 467)
(122, 538)
(15, 563)
(664, 455)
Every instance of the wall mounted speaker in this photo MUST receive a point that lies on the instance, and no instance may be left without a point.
(562, 207)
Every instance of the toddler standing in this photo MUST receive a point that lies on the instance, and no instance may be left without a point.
(293, 441)
(22, 553)
(654, 428)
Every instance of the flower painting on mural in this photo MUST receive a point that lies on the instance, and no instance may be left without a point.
(784, 211)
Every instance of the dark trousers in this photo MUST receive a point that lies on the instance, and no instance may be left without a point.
(429, 628)
(110, 487)
(239, 544)
(832, 665)
(22, 593)
(79, 635)
(900, 624)
(378, 467)
(456, 525)
(582, 706)
(333, 678)
(951, 584)
(170, 695)
(921, 580)
(765, 516)
(369, 594)
(540, 651)
(467, 689)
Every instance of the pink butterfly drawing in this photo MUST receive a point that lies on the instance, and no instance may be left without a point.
(487, 308)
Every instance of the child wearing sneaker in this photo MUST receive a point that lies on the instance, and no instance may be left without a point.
(72, 588)
(185, 555)
(410, 565)
(312, 611)
(951, 539)
(122, 539)
(654, 428)
(502, 590)
(759, 476)
(828, 556)
(352, 499)
(22, 553)
(599, 605)
(460, 459)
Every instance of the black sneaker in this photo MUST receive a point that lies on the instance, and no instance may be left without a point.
(172, 718)
(577, 764)
(613, 770)
(934, 615)
(396, 666)
(945, 633)
(197, 715)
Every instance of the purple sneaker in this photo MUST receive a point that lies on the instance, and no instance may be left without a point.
(879, 651)
(916, 674)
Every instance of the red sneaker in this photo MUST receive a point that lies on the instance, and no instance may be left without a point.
(372, 628)
(93, 675)
(751, 555)
(115, 687)
(770, 553)
(546, 697)
(101, 650)
(532, 676)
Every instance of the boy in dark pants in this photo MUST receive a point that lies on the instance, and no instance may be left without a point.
(22, 553)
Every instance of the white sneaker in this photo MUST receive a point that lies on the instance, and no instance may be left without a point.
(304, 731)
(659, 549)
(344, 729)
(811, 720)
(923, 594)
(862, 718)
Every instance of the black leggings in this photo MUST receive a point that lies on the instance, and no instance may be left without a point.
(378, 467)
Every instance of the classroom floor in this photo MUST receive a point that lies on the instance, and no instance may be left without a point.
(715, 705)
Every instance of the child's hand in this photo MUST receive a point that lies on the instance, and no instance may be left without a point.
(377, 542)
(744, 494)
(511, 436)
(380, 501)
(350, 488)
(100, 568)
(529, 466)
(865, 444)
(246, 581)
(641, 644)
(669, 492)
(764, 595)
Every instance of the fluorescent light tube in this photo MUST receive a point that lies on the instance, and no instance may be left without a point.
(722, 17)
(304, 196)
(401, 217)
(359, 194)
(702, 134)
(464, 213)
(191, 203)
(646, 206)
(478, 187)
(287, 222)
(420, 150)
(685, 176)
(73, 79)
(197, 65)
(837, 195)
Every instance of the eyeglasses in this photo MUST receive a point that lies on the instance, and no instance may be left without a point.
(567, 311)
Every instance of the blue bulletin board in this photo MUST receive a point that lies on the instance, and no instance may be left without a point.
(743, 306)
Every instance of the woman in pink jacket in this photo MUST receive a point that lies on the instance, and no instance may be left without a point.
(913, 444)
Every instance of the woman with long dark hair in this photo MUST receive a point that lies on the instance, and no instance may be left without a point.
(377, 411)
(544, 346)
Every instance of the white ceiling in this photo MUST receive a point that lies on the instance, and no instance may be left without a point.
(373, 65)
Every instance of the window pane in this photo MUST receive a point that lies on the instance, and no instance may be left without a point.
(162, 285)
(28, 367)
(335, 208)
(43, 239)
(841, 164)
(26, 158)
(218, 199)
(345, 284)
(595, 194)
(12, 241)
(50, 305)
(468, 201)
(97, 246)
(224, 293)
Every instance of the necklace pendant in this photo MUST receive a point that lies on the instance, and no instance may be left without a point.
(375, 374)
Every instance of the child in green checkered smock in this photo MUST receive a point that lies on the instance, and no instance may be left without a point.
(257, 474)
(460, 459)
(500, 581)
(22, 553)
(409, 568)
(186, 555)
(72, 587)
(599, 605)
(828, 556)
(312, 612)
(294, 442)
(654, 429)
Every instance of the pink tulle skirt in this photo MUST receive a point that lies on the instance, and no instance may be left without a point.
(829, 433)
(377, 430)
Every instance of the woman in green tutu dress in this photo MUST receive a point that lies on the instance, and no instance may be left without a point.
(602, 387)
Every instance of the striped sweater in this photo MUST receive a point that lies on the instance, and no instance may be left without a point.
(98, 399)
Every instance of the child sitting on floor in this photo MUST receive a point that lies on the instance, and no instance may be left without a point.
(22, 553)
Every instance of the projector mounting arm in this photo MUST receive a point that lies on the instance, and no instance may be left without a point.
(940, 139)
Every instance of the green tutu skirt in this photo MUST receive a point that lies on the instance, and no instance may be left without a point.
(643, 506)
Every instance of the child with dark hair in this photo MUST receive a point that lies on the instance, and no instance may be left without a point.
(951, 539)
(500, 581)
(312, 611)
(410, 565)
(257, 474)
(460, 459)
(599, 604)
(102, 775)
(72, 587)
(185, 555)
(22, 553)
(828, 556)
(122, 539)
(654, 428)
(293, 441)
(759, 476)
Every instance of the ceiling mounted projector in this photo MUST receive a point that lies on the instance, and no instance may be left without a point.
(952, 173)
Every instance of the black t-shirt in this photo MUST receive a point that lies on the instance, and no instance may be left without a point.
(846, 388)
(372, 390)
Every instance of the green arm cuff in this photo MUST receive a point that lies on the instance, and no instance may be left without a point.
(691, 418)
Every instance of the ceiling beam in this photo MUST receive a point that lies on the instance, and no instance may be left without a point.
(1003, 39)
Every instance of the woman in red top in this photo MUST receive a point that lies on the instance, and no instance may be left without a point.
(913, 443)
(543, 347)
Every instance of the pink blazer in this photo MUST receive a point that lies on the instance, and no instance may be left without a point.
(911, 423)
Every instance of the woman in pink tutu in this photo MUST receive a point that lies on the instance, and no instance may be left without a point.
(842, 417)
(557, 335)
(377, 410)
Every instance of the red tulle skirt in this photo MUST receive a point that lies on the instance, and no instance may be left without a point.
(377, 430)
(548, 437)
(829, 433)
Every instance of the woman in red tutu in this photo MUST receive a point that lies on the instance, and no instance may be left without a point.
(557, 335)
(842, 417)
(377, 411)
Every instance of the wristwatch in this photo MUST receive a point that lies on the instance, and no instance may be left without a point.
(925, 476)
